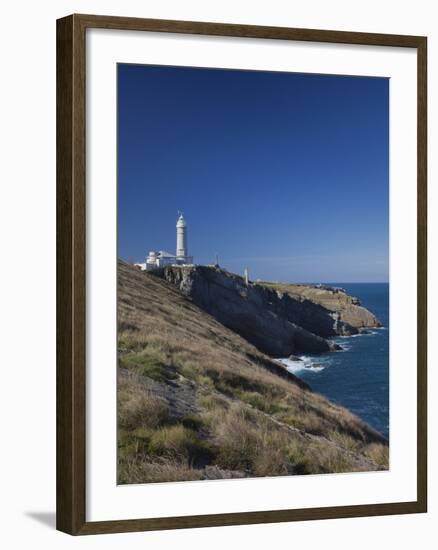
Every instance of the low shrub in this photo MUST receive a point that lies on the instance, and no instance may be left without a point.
(141, 470)
(265, 403)
(152, 364)
(246, 442)
(211, 402)
(344, 440)
(179, 443)
(138, 407)
(379, 454)
(193, 422)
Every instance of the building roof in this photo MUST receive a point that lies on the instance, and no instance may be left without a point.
(181, 221)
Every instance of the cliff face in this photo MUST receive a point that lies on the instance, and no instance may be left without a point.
(276, 322)
(347, 309)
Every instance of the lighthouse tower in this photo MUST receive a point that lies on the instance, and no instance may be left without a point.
(161, 258)
(181, 238)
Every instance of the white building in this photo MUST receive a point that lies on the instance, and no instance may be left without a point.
(161, 258)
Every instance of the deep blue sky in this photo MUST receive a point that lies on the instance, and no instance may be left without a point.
(283, 173)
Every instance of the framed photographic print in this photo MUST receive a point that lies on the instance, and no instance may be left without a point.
(241, 274)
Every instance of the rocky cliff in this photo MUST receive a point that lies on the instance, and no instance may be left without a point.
(346, 309)
(278, 323)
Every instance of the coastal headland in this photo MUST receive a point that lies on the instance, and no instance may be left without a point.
(279, 319)
(199, 399)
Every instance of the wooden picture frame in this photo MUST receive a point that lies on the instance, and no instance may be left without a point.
(71, 273)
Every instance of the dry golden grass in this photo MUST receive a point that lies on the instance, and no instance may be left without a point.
(137, 406)
(246, 442)
(196, 400)
(138, 470)
(379, 454)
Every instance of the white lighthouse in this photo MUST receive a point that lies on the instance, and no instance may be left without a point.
(181, 237)
(161, 258)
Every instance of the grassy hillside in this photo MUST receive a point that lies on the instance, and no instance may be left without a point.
(196, 401)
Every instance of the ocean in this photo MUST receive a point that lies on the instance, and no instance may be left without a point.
(358, 376)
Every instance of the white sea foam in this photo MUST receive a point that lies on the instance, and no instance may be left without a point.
(367, 332)
(305, 364)
(345, 347)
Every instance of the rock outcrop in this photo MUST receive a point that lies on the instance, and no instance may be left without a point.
(349, 315)
(276, 322)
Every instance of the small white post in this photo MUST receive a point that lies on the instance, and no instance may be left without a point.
(246, 276)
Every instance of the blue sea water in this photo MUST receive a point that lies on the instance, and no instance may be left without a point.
(358, 376)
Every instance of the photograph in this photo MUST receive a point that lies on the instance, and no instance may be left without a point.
(252, 274)
(216, 229)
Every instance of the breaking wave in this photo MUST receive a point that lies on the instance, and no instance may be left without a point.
(301, 364)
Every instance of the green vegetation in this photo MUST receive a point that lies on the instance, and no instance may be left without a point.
(151, 363)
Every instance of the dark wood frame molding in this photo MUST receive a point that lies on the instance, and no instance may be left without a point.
(71, 265)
